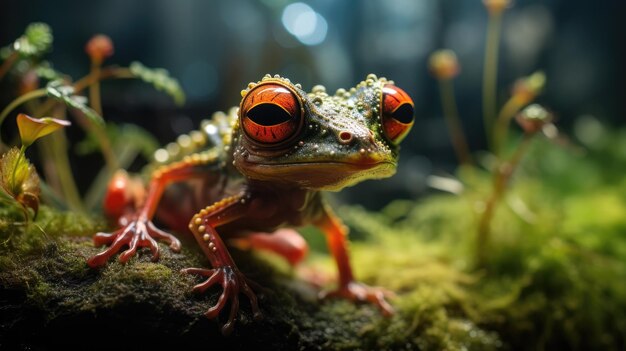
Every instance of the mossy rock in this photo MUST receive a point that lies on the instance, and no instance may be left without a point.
(51, 298)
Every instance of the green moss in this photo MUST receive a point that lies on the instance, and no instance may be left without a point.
(554, 278)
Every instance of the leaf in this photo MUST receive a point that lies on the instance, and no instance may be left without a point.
(29, 200)
(19, 179)
(36, 40)
(44, 70)
(56, 89)
(160, 79)
(32, 129)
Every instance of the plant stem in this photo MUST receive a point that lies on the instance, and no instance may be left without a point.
(8, 63)
(105, 73)
(455, 127)
(20, 100)
(490, 73)
(94, 195)
(503, 173)
(501, 128)
(99, 133)
(71, 195)
(105, 144)
(17, 163)
(94, 89)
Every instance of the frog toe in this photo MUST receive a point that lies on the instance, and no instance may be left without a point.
(135, 233)
(166, 237)
(233, 283)
(362, 293)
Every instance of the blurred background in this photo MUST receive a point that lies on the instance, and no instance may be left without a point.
(215, 48)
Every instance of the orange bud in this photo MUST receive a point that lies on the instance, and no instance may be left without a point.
(99, 47)
(496, 6)
(443, 64)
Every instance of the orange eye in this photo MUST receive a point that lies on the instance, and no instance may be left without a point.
(397, 113)
(270, 113)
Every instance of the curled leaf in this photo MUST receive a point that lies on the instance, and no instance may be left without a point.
(160, 79)
(36, 40)
(56, 89)
(19, 179)
(32, 129)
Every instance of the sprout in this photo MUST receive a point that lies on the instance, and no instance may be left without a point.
(443, 64)
(533, 118)
(32, 129)
(527, 88)
(99, 48)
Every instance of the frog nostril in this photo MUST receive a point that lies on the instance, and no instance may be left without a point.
(345, 137)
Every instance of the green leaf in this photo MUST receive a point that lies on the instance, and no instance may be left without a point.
(44, 70)
(36, 40)
(160, 79)
(56, 89)
(19, 179)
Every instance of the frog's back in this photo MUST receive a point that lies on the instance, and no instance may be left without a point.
(208, 149)
(211, 141)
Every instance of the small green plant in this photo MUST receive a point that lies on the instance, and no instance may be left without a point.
(444, 66)
(18, 177)
(43, 91)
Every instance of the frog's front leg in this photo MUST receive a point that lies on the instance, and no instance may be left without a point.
(137, 229)
(336, 236)
(224, 271)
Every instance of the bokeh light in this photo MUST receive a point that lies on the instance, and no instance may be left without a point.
(304, 23)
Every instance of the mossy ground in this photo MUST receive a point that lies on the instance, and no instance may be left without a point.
(554, 278)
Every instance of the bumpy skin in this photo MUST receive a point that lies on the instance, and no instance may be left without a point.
(259, 175)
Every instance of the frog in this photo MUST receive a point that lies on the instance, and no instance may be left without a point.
(254, 173)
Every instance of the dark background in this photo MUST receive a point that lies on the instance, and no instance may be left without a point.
(215, 48)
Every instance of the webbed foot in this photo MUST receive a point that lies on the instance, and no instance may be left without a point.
(233, 282)
(360, 292)
(135, 233)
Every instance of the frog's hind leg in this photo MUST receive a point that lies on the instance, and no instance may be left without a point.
(285, 242)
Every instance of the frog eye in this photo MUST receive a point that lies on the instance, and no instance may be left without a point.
(396, 112)
(270, 113)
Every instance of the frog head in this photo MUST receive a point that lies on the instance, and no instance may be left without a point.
(319, 141)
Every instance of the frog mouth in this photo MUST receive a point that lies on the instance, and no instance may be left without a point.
(321, 175)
